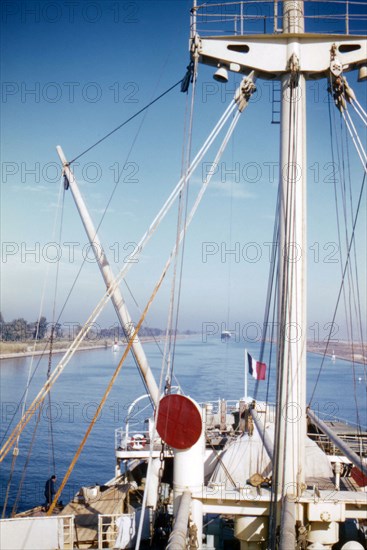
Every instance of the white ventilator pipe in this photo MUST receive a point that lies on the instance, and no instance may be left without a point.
(188, 475)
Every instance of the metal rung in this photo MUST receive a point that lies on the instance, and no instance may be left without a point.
(276, 102)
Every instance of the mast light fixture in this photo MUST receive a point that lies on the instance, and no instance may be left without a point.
(221, 75)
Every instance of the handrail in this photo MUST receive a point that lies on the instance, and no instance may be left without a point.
(332, 418)
(338, 442)
(238, 17)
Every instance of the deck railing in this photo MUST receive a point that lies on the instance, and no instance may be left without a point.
(262, 17)
(108, 529)
(356, 442)
(68, 528)
(133, 440)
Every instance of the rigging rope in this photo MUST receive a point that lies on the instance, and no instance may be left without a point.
(357, 298)
(19, 404)
(359, 110)
(185, 192)
(229, 271)
(350, 244)
(340, 288)
(271, 299)
(167, 356)
(51, 429)
(190, 76)
(194, 208)
(29, 377)
(196, 204)
(126, 121)
(146, 325)
(273, 276)
(144, 240)
(51, 434)
(356, 139)
(138, 326)
(145, 109)
(83, 262)
(336, 198)
(286, 202)
(353, 281)
(106, 297)
(77, 276)
(29, 454)
(107, 392)
(231, 107)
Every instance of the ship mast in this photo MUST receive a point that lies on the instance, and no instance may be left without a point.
(291, 57)
(290, 425)
(289, 475)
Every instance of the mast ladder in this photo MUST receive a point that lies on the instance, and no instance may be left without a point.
(276, 100)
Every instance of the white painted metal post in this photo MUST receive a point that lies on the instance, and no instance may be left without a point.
(116, 296)
(246, 372)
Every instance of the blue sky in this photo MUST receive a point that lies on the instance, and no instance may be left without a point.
(72, 73)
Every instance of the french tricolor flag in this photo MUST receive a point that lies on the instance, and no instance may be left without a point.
(255, 368)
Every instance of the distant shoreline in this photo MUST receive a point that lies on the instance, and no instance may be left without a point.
(30, 353)
(17, 354)
(342, 350)
(357, 359)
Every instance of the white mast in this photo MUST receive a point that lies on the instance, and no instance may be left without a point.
(292, 249)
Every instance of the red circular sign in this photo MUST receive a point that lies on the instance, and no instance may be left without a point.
(179, 421)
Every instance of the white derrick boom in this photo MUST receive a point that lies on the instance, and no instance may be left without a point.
(108, 277)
